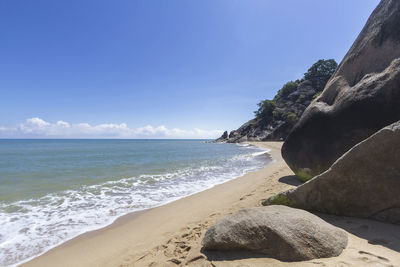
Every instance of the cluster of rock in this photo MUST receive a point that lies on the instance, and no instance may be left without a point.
(280, 125)
(347, 143)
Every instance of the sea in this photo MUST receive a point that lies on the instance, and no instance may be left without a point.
(53, 190)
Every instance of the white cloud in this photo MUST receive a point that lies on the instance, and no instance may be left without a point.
(63, 124)
(39, 128)
(34, 125)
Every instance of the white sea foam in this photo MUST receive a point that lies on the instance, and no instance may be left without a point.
(29, 228)
(243, 145)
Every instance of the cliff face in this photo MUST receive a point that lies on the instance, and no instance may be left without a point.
(362, 97)
(287, 110)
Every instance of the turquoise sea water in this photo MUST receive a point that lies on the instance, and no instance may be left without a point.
(54, 190)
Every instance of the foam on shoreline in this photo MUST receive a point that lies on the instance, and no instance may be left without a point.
(36, 226)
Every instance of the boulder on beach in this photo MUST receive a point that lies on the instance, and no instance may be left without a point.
(362, 97)
(280, 232)
(364, 182)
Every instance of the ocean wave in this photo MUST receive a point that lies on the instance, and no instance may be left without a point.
(30, 227)
(243, 145)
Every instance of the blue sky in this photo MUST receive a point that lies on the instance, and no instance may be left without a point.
(161, 68)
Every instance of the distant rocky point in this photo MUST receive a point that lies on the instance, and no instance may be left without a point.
(275, 118)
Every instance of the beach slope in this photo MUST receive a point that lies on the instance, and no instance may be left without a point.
(171, 235)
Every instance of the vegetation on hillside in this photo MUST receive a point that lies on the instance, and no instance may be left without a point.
(274, 119)
(318, 74)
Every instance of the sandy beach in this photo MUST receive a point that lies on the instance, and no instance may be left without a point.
(171, 235)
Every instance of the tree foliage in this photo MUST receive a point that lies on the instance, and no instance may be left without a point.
(265, 110)
(288, 88)
(321, 68)
(292, 118)
(320, 72)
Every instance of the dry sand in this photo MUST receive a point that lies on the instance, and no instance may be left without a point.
(171, 235)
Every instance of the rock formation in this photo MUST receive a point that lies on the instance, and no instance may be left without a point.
(362, 97)
(288, 110)
(364, 182)
(280, 232)
(223, 137)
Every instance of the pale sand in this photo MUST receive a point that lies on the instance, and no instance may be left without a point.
(173, 232)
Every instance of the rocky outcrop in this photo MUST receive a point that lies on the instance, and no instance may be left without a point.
(364, 182)
(288, 110)
(362, 97)
(223, 137)
(280, 232)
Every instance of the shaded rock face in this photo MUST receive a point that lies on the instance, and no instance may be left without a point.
(276, 128)
(280, 232)
(364, 182)
(362, 97)
(223, 137)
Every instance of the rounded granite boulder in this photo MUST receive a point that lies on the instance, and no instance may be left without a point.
(280, 232)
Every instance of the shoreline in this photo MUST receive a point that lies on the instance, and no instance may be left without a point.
(171, 234)
(124, 219)
(131, 215)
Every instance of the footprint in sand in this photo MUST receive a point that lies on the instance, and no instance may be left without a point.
(343, 264)
(176, 261)
(373, 255)
(371, 258)
(177, 248)
(244, 197)
(214, 214)
(318, 263)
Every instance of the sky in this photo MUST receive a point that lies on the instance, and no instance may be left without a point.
(157, 68)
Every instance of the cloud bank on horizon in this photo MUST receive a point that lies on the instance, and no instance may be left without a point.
(39, 128)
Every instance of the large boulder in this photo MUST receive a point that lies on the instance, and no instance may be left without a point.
(364, 182)
(278, 231)
(361, 97)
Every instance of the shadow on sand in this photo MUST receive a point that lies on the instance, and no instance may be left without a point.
(231, 255)
(376, 233)
(290, 180)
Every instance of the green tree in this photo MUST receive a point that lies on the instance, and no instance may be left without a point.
(265, 110)
(292, 118)
(288, 88)
(320, 72)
